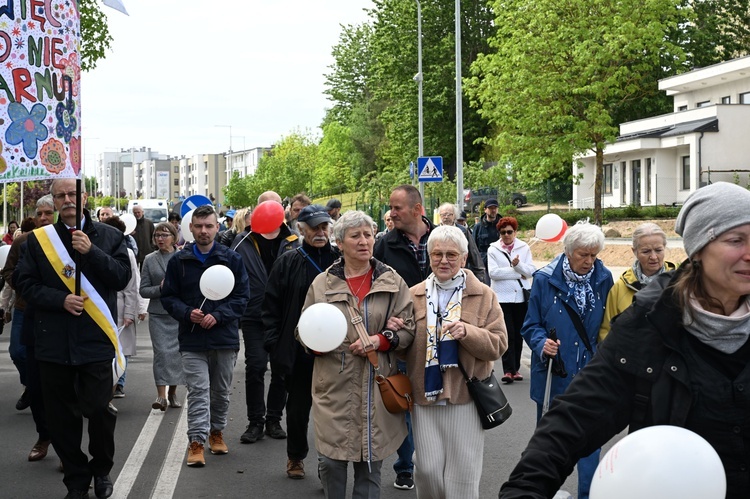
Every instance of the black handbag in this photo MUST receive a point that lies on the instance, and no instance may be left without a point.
(526, 292)
(492, 406)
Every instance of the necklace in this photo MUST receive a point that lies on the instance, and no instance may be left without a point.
(364, 279)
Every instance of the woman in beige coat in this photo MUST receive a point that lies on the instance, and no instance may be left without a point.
(458, 321)
(351, 422)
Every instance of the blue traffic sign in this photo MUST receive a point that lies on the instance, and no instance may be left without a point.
(193, 202)
(430, 168)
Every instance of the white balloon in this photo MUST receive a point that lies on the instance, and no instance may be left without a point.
(217, 282)
(4, 250)
(185, 227)
(322, 327)
(660, 462)
(130, 222)
(549, 226)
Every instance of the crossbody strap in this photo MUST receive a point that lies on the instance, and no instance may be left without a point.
(359, 326)
(579, 326)
(302, 252)
(511, 265)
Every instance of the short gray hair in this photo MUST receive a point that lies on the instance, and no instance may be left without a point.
(448, 234)
(351, 220)
(648, 229)
(452, 206)
(583, 235)
(45, 200)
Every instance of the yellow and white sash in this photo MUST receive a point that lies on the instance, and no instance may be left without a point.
(94, 305)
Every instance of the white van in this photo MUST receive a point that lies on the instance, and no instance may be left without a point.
(156, 210)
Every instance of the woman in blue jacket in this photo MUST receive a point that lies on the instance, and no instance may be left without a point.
(567, 295)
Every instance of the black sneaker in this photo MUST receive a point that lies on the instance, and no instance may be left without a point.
(119, 392)
(274, 430)
(404, 481)
(253, 433)
(24, 402)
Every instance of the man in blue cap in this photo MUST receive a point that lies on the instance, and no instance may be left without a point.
(223, 236)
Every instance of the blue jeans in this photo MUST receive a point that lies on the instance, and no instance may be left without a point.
(121, 381)
(17, 349)
(405, 463)
(586, 465)
(208, 376)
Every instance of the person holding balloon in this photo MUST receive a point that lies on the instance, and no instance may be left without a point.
(458, 323)
(209, 327)
(510, 269)
(649, 248)
(567, 300)
(288, 282)
(677, 356)
(351, 421)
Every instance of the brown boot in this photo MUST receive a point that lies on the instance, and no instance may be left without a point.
(195, 455)
(295, 469)
(39, 451)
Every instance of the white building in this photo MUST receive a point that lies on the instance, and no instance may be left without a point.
(115, 172)
(661, 160)
(244, 162)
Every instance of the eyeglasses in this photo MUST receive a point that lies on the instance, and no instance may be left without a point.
(61, 196)
(162, 235)
(451, 256)
(506, 232)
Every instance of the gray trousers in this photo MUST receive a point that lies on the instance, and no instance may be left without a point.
(333, 476)
(208, 376)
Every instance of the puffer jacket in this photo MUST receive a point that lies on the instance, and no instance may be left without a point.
(351, 422)
(546, 311)
(621, 296)
(639, 377)
(486, 340)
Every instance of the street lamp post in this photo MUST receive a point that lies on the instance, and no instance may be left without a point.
(459, 113)
(419, 77)
(229, 156)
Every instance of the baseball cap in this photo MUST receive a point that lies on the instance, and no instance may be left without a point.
(314, 215)
(230, 214)
(490, 203)
(333, 203)
(462, 216)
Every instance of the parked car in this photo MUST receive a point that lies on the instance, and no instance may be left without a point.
(473, 198)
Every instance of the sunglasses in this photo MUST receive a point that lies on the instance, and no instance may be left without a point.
(506, 232)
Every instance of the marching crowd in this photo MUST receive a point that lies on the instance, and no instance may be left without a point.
(660, 344)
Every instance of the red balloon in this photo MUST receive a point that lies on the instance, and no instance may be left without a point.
(560, 235)
(267, 217)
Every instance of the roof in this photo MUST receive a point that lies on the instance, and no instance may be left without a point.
(697, 126)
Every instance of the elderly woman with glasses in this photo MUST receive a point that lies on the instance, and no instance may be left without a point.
(510, 267)
(649, 248)
(162, 327)
(567, 298)
(459, 325)
(351, 421)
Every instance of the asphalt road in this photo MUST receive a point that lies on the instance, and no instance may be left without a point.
(151, 446)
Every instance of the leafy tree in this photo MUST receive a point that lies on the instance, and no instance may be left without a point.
(337, 154)
(562, 74)
(720, 31)
(95, 37)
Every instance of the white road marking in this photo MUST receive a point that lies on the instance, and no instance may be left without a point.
(129, 473)
(166, 482)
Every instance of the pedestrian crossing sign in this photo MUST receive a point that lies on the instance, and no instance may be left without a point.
(430, 168)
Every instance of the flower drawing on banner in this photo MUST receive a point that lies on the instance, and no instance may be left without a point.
(66, 120)
(26, 127)
(53, 156)
(71, 68)
(3, 163)
(75, 154)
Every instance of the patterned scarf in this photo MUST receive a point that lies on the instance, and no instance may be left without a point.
(443, 306)
(579, 285)
(643, 278)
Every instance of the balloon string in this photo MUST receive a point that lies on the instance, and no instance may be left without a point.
(201, 309)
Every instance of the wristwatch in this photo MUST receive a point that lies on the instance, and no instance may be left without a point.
(392, 338)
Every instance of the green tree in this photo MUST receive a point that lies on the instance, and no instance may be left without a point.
(95, 36)
(561, 75)
(337, 154)
(720, 31)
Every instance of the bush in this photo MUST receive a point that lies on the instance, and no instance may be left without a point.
(527, 220)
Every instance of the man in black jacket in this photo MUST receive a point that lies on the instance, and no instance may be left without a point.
(405, 249)
(76, 338)
(259, 252)
(287, 287)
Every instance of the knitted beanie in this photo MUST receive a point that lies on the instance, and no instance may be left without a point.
(709, 212)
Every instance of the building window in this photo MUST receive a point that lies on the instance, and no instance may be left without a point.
(177, 169)
(726, 100)
(607, 179)
(177, 181)
(686, 173)
(648, 180)
(703, 104)
(745, 98)
(176, 194)
(682, 108)
(624, 185)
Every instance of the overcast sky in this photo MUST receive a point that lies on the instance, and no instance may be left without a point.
(178, 68)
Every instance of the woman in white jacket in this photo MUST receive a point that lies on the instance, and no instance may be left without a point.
(510, 266)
